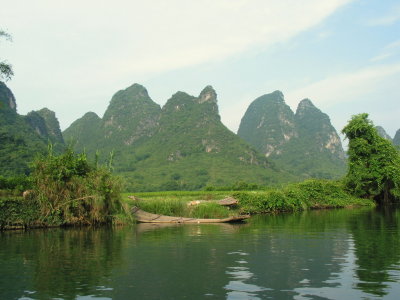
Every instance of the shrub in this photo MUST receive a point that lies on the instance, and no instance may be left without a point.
(69, 190)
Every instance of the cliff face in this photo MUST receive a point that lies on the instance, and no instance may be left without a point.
(45, 124)
(19, 142)
(131, 115)
(315, 126)
(382, 132)
(396, 139)
(268, 124)
(7, 99)
(304, 143)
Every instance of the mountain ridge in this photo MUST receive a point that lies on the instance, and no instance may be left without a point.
(303, 143)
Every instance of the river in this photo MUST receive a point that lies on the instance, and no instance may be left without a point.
(325, 254)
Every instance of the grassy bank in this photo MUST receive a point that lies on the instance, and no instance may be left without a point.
(310, 194)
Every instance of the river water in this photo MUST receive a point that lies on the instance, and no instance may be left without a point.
(326, 254)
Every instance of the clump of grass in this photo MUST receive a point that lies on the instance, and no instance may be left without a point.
(168, 207)
(71, 191)
(182, 195)
(180, 208)
(210, 210)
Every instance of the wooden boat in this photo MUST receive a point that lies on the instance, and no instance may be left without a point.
(145, 217)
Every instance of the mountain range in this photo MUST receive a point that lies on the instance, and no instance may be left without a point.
(182, 145)
(303, 143)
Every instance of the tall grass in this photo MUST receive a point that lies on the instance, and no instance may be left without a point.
(310, 194)
(179, 207)
(70, 191)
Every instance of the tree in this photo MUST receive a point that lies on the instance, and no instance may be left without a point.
(6, 71)
(373, 163)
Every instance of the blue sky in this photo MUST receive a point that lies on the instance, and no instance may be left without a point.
(72, 56)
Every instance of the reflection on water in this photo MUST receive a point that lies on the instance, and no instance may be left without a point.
(336, 254)
(239, 276)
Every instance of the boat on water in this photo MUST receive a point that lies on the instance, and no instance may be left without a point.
(146, 217)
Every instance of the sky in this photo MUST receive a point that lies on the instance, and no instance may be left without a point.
(73, 56)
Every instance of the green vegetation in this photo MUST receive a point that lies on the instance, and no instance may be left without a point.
(175, 203)
(45, 123)
(67, 190)
(18, 141)
(18, 212)
(23, 137)
(374, 163)
(310, 194)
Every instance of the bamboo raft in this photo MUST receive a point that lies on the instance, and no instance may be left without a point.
(145, 217)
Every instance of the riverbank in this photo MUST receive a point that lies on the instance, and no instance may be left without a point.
(310, 194)
(17, 212)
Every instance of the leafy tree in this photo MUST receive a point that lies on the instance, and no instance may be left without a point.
(374, 163)
(6, 71)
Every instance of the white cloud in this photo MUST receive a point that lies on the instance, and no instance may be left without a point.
(344, 87)
(68, 55)
(387, 20)
(136, 37)
(387, 52)
(372, 89)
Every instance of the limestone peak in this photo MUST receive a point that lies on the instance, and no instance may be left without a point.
(208, 94)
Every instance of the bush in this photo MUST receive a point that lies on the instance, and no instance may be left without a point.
(69, 190)
(17, 212)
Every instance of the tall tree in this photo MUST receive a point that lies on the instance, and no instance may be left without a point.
(6, 71)
(374, 163)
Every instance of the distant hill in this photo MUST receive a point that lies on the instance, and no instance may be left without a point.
(130, 118)
(184, 145)
(46, 125)
(23, 137)
(303, 143)
(382, 132)
(396, 139)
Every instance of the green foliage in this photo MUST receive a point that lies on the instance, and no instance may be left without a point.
(310, 194)
(237, 186)
(19, 143)
(374, 163)
(17, 183)
(17, 212)
(71, 191)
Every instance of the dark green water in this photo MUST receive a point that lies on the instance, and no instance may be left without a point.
(335, 254)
